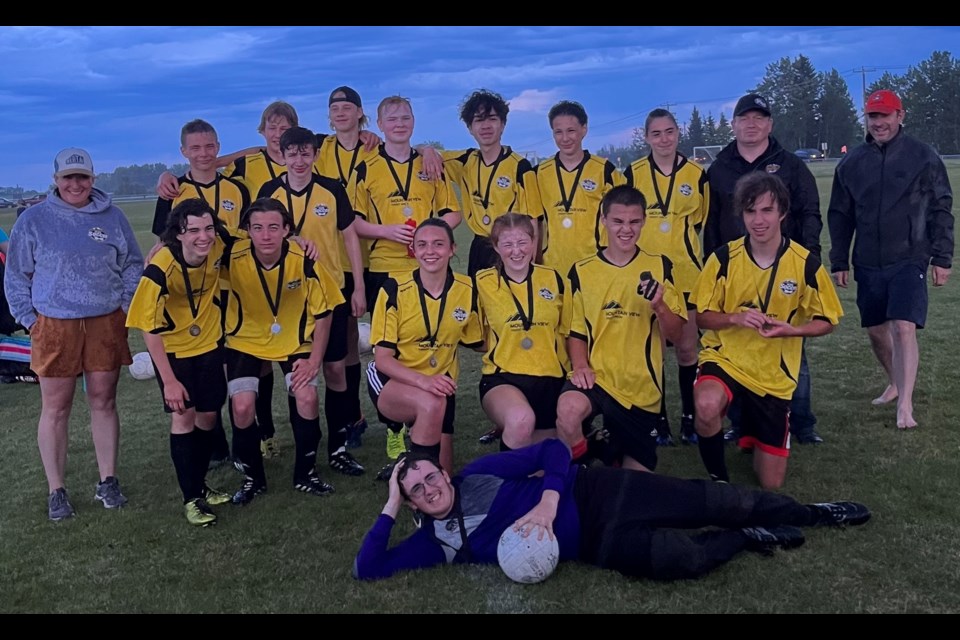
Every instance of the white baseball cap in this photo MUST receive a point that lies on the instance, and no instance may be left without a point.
(73, 160)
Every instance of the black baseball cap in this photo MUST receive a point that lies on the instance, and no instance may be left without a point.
(752, 102)
(349, 95)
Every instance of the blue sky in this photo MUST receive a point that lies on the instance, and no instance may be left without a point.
(124, 92)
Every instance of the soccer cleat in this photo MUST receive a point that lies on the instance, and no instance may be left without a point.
(355, 433)
(490, 436)
(270, 448)
(396, 445)
(313, 485)
(199, 514)
(386, 471)
(732, 436)
(346, 464)
(688, 434)
(838, 514)
(59, 507)
(810, 437)
(215, 497)
(666, 441)
(766, 539)
(250, 490)
(108, 492)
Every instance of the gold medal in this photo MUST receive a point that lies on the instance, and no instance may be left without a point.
(567, 222)
(275, 328)
(194, 330)
(526, 343)
(433, 361)
(485, 219)
(665, 227)
(407, 210)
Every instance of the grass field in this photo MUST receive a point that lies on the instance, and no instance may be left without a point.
(291, 553)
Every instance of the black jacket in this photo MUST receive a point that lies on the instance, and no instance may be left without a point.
(897, 199)
(802, 225)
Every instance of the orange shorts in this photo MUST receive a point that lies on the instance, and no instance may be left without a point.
(66, 348)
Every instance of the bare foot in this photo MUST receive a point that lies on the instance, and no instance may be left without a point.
(889, 395)
(905, 419)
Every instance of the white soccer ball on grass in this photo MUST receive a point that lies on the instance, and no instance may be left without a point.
(142, 366)
(527, 560)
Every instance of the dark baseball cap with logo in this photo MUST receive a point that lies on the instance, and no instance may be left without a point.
(752, 102)
(349, 95)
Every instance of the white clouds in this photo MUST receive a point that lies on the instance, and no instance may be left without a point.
(203, 49)
(534, 100)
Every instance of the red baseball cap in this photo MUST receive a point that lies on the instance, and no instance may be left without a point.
(883, 101)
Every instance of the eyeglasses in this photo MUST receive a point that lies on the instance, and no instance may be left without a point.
(434, 479)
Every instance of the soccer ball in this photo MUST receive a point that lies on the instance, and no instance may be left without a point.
(527, 560)
(364, 329)
(142, 366)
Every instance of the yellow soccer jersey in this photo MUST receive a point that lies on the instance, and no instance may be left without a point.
(421, 328)
(306, 292)
(800, 290)
(336, 161)
(620, 327)
(677, 207)
(161, 304)
(321, 211)
(226, 196)
(489, 191)
(571, 205)
(389, 192)
(255, 170)
(506, 305)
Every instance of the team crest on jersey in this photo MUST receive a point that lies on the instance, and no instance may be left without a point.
(423, 176)
(589, 185)
(789, 287)
(772, 168)
(294, 284)
(97, 234)
(546, 294)
(228, 205)
(321, 209)
(459, 314)
(686, 189)
(504, 182)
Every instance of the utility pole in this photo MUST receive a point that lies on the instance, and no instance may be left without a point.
(863, 96)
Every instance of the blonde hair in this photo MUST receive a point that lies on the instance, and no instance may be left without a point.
(391, 101)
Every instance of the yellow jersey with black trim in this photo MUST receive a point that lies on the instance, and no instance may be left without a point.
(544, 302)
(489, 191)
(571, 206)
(306, 293)
(226, 196)
(336, 161)
(255, 170)
(381, 196)
(161, 305)
(321, 211)
(619, 325)
(677, 207)
(398, 322)
(795, 289)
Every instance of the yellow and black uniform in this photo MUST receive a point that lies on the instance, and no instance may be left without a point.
(571, 206)
(255, 170)
(226, 196)
(795, 289)
(385, 191)
(677, 207)
(271, 312)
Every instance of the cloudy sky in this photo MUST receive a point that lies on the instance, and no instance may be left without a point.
(124, 92)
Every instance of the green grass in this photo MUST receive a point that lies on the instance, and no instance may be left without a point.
(291, 553)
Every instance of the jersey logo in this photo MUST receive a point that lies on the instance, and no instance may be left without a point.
(459, 314)
(772, 168)
(423, 176)
(97, 234)
(504, 182)
(686, 189)
(228, 205)
(321, 210)
(514, 318)
(589, 185)
(294, 284)
(546, 294)
(789, 287)
(613, 304)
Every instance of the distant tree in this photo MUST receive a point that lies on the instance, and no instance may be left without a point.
(709, 130)
(895, 83)
(724, 132)
(695, 134)
(432, 143)
(932, 101)
(838, 124)
(792, 87)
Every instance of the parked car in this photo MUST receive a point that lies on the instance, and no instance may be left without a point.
(809, 154)
(6, 203)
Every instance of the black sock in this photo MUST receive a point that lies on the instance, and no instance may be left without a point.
(335, 404)
(265, 406)
(352, 411)
(712, 454)
(183, 452)
(432, 450)
(206, 441)
(395, 427)
(687, 376)
(663, 427)
(220, 449)
(246, 447)
(306, 436)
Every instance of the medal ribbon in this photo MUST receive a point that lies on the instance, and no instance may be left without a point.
(274, 305)
(432, 335)
(526, 319)
(664, 205)
(567, 203)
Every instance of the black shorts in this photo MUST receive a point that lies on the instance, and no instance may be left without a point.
(373, 281)
(633, 431)
(337, 343)
(897, 292)
(376, 380)
(541, 393)
(764, 420)
(482, 255)
(243, 371)
(202, 377)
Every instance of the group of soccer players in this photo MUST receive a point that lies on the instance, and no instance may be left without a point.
(578, 277)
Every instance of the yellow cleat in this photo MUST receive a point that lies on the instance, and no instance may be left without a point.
(214, 497)
(199, 514)
(396, 443)
(270, 448)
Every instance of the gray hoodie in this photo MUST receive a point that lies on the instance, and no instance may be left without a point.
(67, 262)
